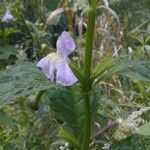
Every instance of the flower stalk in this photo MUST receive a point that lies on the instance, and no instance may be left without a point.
(87, 74)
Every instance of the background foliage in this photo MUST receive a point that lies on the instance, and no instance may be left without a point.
(38, 114)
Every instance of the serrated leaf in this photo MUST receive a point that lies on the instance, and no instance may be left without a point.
(69, 107)
(135, 76)
(61, 101)
(134, 142)
(134, 69)
(21, 80)
(145, 129)
(64, 104)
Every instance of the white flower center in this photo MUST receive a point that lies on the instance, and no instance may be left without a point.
(54, 58)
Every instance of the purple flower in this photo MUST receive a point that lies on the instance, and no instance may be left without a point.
(55, 65)
(8, 16)
(65, 44)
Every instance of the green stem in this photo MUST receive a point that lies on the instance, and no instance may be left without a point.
(87, 123)
(88, 48)
(87, 81)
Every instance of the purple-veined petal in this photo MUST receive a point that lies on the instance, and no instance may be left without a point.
(65, 44)
(64, 75)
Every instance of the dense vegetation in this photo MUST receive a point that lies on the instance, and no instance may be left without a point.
(38, 113)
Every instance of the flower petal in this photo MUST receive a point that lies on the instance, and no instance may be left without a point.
(42, 62)
(7, 17)
(64, 75)
(46, 67)
(65, 44)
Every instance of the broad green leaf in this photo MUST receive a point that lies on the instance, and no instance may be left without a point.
(6, 121)
(6, 51)
(52, 5)
(145, 129)
(135, 76)
(134, 142)
(21, 80)
(69, 107)
(134, 69)
(62, 103)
